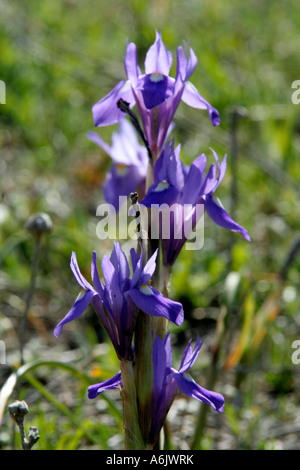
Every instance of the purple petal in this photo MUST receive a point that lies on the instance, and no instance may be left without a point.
(169, 167)
(189, 356)
(152, 302)
(78, 308)
(175, 167)
(164, 385)
(193, 183)
(149, 269)
(185, 66)
(161, 193)
(130, 63)
(210, 183)
(106, 318)
(158, 59)
(221, 167)
(181, 67)
(160, 171)
(154, 88)
(168, 349)
(112, 286)
(189, 387)
(163, 117)
(192, 97)
(159, 366)
(118, 258)
(126, 149)
(121, 180)
(92, 136)
(134, 258)
(137, 270)
(191, 65)
(79, 277)
(106, 111)
(110, 384)
(95, 275)
(220, 217)
(182, 219)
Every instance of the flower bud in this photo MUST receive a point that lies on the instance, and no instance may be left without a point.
(38, 224)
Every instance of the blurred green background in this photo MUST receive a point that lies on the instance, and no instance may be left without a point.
(57, 59)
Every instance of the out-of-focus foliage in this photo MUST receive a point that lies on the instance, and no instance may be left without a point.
(57, 59)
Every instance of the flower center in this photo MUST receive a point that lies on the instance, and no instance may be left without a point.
(145, 289)
(162, 186)
(156, 77)
(121, 169)
(81, 294)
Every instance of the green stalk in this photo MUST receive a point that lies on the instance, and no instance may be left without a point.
(160, 325)
(133, 436)
(144, 371)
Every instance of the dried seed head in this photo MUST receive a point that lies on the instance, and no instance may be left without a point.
(39, 223)
(18, 409)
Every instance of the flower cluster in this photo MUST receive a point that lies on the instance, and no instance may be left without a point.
(157, 173)
(117, 301)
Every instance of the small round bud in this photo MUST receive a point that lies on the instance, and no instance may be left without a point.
(18, 409)
(33, 435)
(39, 223)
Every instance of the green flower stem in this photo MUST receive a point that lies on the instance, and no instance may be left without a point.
(160, 325)
(133, 436)
(144, 371)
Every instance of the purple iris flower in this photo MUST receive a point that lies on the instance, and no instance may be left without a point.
(116, 302)
(190, 188)
(130, 162)
(156, 94)
(167, 382)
